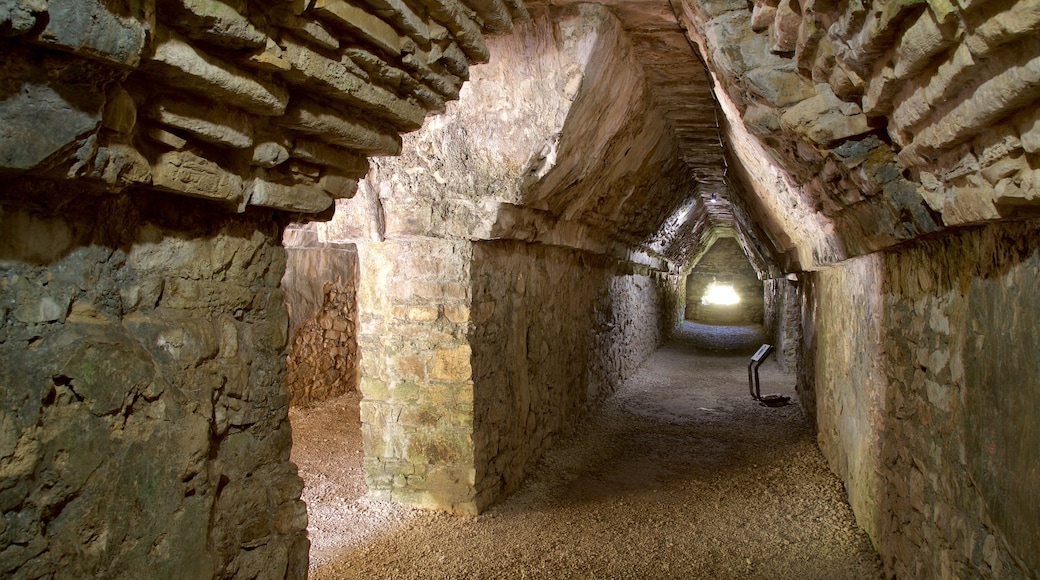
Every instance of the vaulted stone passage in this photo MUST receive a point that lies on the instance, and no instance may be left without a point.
(876, 163)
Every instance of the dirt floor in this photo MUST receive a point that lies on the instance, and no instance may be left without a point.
(679, 475)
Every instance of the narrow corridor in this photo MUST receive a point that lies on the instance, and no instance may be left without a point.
(679, 475)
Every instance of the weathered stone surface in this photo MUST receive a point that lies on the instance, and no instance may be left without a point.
(189, 68)
(824, 118)
(884, 405)
(315, 70)
(49, 114)
(338, 129)
(187, 173)
(213, 22)
(19, 16)
(112, 32)
(359, 21)
(211, 122)
(114, 426)
(302, 198)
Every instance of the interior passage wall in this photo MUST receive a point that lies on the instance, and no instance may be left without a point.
(553, 331)
(926, 382)
(725, 263)
(143, 410)
(321, 295)
(781, 318)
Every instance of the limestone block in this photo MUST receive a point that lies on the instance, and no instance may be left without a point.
(269, 154)
(164, 137)
(315, 70)
(212, 22)
(300, 197)
(19, 16)
(39, 121)
(185, 66)
(336, 128)
(1029, 131)
(494, 14)
(784, 33)
(187, 173)
(1015, 87)
(337, 185)
(447, 86)
(780, 88)
(120, 112)
(359, 21)
(350, 164)
(405, 18)
(90, 28)
(313, 31)
(452, 365)
(210, 122)
(270, 58)
(454, 17)
(120, 165)
(825, 118)
(762, 17)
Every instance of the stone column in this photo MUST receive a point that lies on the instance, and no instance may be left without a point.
(417, 408)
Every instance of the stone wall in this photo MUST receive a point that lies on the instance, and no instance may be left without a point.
(725, 263)
(273, 104)
(782, 320)
(321, 297)
(553, 332)
(414, 301)
(143, 426)
(925, 371)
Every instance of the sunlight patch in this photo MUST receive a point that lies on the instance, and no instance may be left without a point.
(722, 294)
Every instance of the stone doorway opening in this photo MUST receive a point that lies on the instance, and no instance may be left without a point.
(320, 283)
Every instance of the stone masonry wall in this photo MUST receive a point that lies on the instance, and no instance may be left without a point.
(926, 381)
(417, 414)
(273, 104)
(321, 296)
(553, 331)
(143, 412)
(725, 263)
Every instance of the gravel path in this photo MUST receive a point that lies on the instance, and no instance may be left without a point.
(679, 475)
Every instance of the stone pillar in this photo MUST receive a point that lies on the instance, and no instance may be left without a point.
(417, 408)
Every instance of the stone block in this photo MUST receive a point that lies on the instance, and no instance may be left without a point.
(302, 198)
(825, 119)
(269, 154)
(780, 88)
(91, 28)
(453, 16)
(18, 17)
(405, 18)
(164, 137)
(318, 72)
(340, 129)
(50, 112)
(187, 67)
(338, 186)
(350, 164)
(120, 112)
(187, 173)
(452, 365)
(361, 22)
(210, 122)
(213, 22)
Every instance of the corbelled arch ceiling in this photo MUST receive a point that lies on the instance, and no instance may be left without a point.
(681, 90)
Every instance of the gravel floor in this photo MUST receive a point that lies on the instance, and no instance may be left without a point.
(679, 475)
